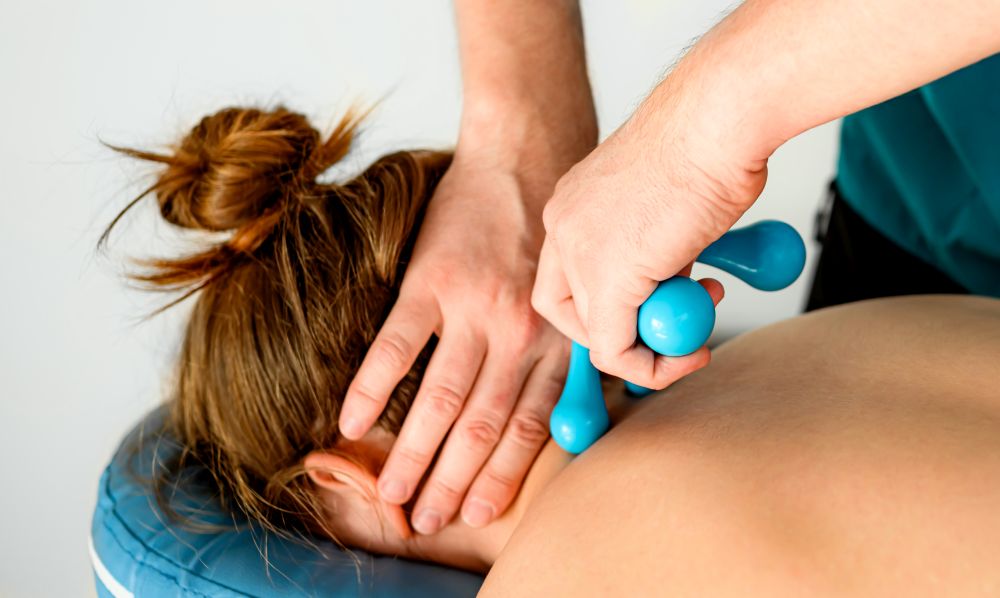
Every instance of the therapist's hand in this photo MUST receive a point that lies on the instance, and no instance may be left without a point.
(637, 211)
(693, 158)
(498, 367)
(483, 405)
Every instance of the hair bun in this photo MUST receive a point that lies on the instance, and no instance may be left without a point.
(236, 166)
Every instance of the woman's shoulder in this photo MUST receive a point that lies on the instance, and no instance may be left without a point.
(804, 449)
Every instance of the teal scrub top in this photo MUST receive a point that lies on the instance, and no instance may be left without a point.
(924, 170)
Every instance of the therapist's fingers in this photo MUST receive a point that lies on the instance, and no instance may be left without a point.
(675, 368)
(447, 381)
(552, 297)
(473, 437)
(527, 430)
(620, 355)
(613, 346)
(408, 327)
(715, 289)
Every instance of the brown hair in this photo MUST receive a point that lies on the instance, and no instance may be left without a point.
(287, 305)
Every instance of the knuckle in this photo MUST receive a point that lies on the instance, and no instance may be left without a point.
(664, 374)
(444, 402)
(497, 479)
(393, 351)
(527, 430)
(364, 393)
(540, 302)
(526, 327)
(589, 246)
(603, 348)
(666, 370)
(446, 490)
(480, 434)
(490, 290)
(609, 365)
(498, 406)
(439, 277)
(550, 216)
(599, 359)
(411, 459)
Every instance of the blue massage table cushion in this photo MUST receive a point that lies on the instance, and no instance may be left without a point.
(137, 550)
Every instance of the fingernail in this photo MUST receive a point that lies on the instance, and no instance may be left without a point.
(427, 521)
(477, 513)
(393, 491)
(351, 428)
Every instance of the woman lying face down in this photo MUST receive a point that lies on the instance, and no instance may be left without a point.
(285, 308)
(854, 450)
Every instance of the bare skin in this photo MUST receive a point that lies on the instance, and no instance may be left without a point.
(851, 451)
(693, 157)
(686, 165)
(527, 116)
(358, 515)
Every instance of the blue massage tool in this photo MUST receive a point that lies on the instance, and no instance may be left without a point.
(677, 320)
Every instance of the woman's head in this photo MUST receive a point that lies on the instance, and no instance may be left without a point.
(287, 304)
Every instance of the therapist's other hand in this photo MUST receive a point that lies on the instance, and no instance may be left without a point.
(498, 367)
(638, 210)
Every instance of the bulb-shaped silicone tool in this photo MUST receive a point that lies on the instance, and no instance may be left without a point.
(581, 416)
(768, 255)
(677, 318)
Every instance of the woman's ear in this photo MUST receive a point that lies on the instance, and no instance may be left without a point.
(355, 485)
(338, 473)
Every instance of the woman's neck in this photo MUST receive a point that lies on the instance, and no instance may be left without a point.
(476, 549)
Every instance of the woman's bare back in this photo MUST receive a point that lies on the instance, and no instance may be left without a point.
(855, 450)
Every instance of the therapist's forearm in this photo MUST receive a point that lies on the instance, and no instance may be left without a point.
(527, 96)
(776, 68)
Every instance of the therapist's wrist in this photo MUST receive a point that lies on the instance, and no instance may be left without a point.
(710, 116)
(528, 138)
(714, 123)
(736, 92)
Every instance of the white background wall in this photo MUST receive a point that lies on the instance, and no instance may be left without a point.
(77, 364)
